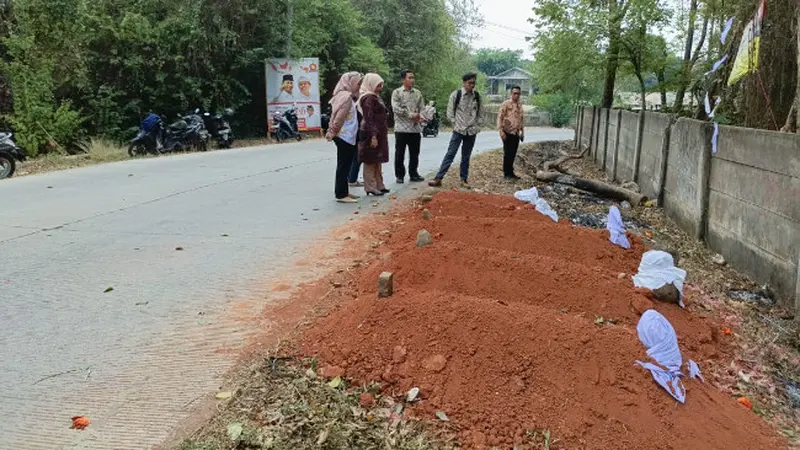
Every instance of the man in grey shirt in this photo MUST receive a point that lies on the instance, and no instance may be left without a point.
(464, 112)
(407, 104)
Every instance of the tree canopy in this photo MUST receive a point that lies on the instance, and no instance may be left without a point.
(94, 67)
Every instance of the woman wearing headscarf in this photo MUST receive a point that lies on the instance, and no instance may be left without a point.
(343, 131)
(373, 146)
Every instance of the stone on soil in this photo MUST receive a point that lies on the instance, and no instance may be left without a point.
(435, 363)
(718, 260)
(366, 400)
(424, 238)
(386, 284)
(667, 294)
(427, 215)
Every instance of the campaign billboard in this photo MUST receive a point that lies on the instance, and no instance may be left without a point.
(294, 83)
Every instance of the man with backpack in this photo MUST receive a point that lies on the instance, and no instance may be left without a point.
(464, 112)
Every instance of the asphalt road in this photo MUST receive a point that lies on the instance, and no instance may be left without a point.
(135, 359)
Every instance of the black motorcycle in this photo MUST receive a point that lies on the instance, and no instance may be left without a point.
(284, 126)
(219, 128)
(187, 133)
(431, 128)
(10, 153)
(325, 118)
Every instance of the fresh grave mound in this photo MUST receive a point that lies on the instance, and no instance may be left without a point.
(499, 328)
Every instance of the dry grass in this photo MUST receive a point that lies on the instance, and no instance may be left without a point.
(283, 405)
(99, 151)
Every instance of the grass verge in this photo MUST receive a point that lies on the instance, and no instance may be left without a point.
(99, 151)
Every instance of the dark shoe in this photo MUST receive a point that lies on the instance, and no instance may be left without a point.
(385, 191)
(376, 194)
(417, 179)
(435, 183)
(400, 181)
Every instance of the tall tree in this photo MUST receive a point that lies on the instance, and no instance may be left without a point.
(493, 61)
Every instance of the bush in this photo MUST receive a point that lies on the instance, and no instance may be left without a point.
(558, 105)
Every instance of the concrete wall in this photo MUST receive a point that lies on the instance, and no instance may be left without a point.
(626, 149)
(743, 201)
(613, 139)
(600, 136)
(654, 146)
(587, 126)
(754, 204)
(532, 119)
(682, 188)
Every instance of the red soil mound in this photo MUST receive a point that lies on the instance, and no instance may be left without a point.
(495, 322)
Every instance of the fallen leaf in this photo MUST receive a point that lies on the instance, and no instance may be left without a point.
(649, 234)
(744, 401)
(224, 235)
(235, 431)
(142, 303)
(727, 331)
(335, 383)
(108, 289)
(323, 436)
(80, 422)
(442, 416)
(311, 374)
(224, 395)
(178, 249)
(599, 320)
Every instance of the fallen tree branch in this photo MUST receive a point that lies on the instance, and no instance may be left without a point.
(549, 166)
(598, 187)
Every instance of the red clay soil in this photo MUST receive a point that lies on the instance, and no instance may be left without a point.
(495, 323)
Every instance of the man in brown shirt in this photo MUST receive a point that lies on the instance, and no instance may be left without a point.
(511, 124)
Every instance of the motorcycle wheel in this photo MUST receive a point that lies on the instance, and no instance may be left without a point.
(7, 166)
(136, 149)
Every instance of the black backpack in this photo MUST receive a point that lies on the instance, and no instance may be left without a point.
(458, 100)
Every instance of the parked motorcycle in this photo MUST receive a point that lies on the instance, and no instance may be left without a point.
(187, 133)
(325, 118)
(150, 139)
(284, 126)
(219, 128)
(10, 153)
(431, 128)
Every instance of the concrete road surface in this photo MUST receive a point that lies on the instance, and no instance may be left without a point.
(135, 359)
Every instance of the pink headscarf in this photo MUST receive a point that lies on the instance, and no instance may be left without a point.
(348, 83)
(369, 86)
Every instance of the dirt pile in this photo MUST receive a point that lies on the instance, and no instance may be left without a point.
(514, 325)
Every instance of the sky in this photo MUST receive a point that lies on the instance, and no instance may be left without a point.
(506, 24)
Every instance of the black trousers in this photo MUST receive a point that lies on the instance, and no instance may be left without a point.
(344, 160)
(510, 146)
(413, 142)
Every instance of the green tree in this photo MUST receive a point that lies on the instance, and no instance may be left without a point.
(492, 61)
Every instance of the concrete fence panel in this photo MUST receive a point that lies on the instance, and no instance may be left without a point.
(587, 126)
(626, 147)
(602, 136)
(754, 205)
(652, 152)
(683, 189)
(612, 140)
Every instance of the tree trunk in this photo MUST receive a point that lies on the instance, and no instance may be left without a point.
(662, 87)
(612, 58)
(598, 187)
(643, 91)
(792, 124)
(686, 71)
